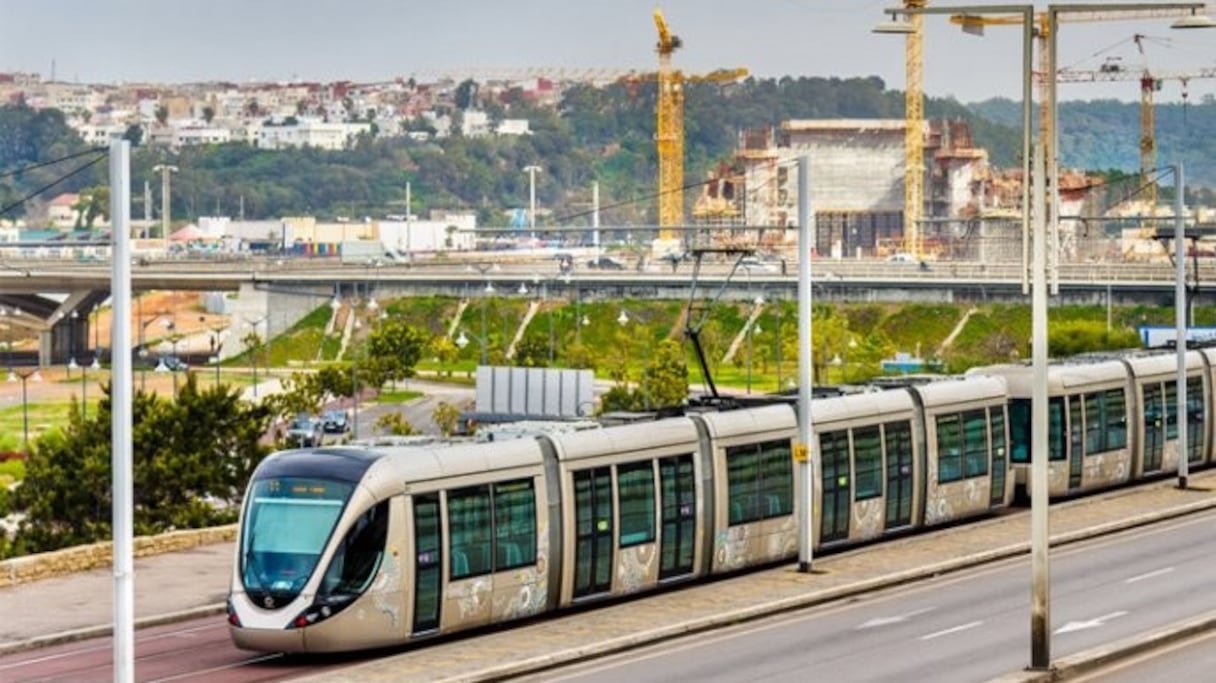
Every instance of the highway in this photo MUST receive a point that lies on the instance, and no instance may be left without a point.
(973, 626)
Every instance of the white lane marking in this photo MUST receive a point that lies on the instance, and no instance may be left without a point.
(234, 665)
(1092, 623)
(106, 647)
(887, 621)
(955, 629)
(1149, 575)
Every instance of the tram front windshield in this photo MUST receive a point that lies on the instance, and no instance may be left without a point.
(288, 521)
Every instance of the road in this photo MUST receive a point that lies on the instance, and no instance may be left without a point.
(1191, 659)
(968, 627)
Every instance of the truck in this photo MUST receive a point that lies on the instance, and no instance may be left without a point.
(363, 252)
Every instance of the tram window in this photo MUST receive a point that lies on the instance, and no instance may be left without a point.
(759, 481)
(777, 479)
(1095, 435)
(514, 525)
(975, 443)
(636, 484)
(469, 524)
(867, 463)
(949, 449)
(1115, 419)
(996, 430)
(1019, 430)
(1055, 429)
(358, 555)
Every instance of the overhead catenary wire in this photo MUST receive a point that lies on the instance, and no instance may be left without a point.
(40, 164)
(104, 154)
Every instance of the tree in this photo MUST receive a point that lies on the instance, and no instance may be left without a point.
(466, 94)
(162, 114)
(93, 202)
(532, 351)
(446, 416)
(188, 453)
(208, 114)
(393, 349)
(134, 134)
(395, 424)
(666, 376)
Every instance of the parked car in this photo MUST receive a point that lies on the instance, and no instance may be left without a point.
(606, 263)
(335, 422)
(753, 263)
(306, 431)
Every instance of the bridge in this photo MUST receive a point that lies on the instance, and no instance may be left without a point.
(300, 284)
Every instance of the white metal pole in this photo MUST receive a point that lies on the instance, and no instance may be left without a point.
(595, 217)
(1180, 320)
(121, 413)
(408, 252)
(806, 432)
(1040, 603)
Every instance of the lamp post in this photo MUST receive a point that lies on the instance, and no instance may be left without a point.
(253, 355)
(165, 170)
(1040, 626)
(217, 344)
(622, 320)
(25, 405)
(73, 316)
(84, 392)
(532, 171)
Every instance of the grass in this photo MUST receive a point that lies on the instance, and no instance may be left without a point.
(43, 417)
(398, 396)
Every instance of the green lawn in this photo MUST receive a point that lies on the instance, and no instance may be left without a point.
(43, 417)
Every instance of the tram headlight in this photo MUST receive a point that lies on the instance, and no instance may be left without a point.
(321, 609)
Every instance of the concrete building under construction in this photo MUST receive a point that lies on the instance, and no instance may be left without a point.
(970, 212)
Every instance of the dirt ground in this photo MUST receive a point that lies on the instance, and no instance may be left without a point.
(181, 309)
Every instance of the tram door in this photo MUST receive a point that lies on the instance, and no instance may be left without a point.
(1000, 466)
(834, 525)
(1076, 443)
(1154, 427)
(593, 531)
(899, 474)
(679, 505)
(428, 565)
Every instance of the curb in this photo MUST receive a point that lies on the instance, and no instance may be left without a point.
(103, 631)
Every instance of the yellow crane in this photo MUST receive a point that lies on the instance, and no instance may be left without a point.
(669, 133)
(914, 140)
(1150, 82)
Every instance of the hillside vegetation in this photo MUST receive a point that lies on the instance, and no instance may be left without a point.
(596, 134)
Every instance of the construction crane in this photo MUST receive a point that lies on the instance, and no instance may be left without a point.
(669, 133)
(1150, 82)
(914, 140)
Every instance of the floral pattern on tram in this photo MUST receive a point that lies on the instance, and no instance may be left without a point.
(742, 545)
(636, 569)
(948, 502)
(386, 591)
(868, 518)
(472, 597)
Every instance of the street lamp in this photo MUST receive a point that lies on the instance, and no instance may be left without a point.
(623, 320)
(25, 406)
(1040, 626)
(74, 316)
(532, 171)
(253, 356)
(165, 170)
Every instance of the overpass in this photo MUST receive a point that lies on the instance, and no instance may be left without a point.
(47, 292)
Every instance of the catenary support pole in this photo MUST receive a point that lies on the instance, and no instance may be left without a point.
(806, 433)
(1040, 598)
(1180, 321)
(121, 413)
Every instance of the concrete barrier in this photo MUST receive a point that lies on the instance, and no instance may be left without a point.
(96, 555)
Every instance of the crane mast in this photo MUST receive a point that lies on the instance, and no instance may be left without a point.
(914, 144)
(669, 134)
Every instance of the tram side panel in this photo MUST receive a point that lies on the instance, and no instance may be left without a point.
(965, 428)
(870, 466)
(630, 498)
(1091, 445)
(753, 520)
(1154, 386)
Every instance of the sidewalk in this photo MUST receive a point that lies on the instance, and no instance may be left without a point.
(195, 582)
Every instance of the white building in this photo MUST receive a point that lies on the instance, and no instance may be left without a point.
(312, 134)
(189, 136)
(441, 232)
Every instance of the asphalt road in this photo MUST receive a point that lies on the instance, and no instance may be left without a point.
(968, 627)
(1191, 659)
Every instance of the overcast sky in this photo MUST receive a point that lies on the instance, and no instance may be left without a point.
(367, 40)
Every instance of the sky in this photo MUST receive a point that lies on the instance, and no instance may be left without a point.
(111, 41)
